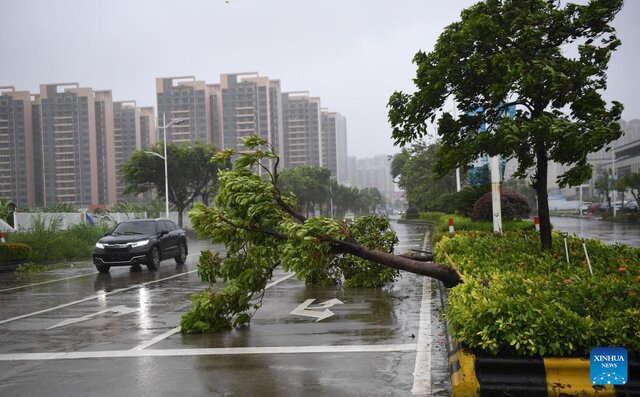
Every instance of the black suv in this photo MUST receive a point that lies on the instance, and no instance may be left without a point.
(141, 241)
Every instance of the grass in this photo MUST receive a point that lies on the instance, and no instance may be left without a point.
(49, 244)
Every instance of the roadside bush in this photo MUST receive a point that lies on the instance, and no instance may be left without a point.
(466, 198)
(513, 206)
(518, 300)
(11, 252)
(463, 223)
(50, 244)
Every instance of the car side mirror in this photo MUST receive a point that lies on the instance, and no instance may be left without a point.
(163, 232)
(107, 234)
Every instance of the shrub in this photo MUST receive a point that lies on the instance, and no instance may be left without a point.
(462, 223)
(518, 300)
(466, 198)
(513, 205)
(11, 252)
(50, 244)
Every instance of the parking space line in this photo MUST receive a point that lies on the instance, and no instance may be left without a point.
(96, 297)
(422, 371)
(223, 351)
(175, 330)
(157, 339)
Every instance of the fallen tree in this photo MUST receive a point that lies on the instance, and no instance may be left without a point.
(262, 228)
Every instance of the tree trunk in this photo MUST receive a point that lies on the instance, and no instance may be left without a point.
(180, 211)
(449, 277)
(540, 185)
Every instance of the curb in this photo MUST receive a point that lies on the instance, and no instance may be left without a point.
(481, 375)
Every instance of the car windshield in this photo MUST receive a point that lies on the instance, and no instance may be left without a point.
(138, 227)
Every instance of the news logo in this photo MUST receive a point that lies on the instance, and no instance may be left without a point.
(608, 366)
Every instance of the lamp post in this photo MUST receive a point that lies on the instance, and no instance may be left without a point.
(166, 173)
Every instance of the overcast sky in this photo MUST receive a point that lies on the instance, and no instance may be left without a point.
(351, 53)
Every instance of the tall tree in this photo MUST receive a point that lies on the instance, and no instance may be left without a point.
(190, 170)
(632, 183)
(547, 60)
(309, 184)
(422, 186)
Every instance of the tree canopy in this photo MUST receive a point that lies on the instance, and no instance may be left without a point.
(547, 60)
(414, 169)
(262, 228)
(191, 173)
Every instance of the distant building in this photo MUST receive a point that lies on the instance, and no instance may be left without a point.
(301, 138)
(68, 143)
(16, 147)
(375, 172)
(148, 133)
(184, 97)
(105, 150)
(620, 157)
(250, 105)
(334, 144)
(127, 139)
(69, 147)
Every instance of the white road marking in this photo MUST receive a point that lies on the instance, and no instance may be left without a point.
(303, 311)
(422, 371)
(175, 330)
(118, 310)
(278, 281)
(223, 351)
(157, 339)
(95, 297)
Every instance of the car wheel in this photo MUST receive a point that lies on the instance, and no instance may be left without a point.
(103, 268)
(153, 261)
(182, 256)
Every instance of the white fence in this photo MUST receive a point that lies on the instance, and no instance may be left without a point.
(26, 220)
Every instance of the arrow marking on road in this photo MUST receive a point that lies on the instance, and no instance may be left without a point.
(118, 310)
(303, 311)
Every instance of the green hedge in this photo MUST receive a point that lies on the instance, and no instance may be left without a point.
(11, 252)
(518, 300)
(463, 223)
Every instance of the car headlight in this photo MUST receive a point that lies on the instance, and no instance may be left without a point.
(99, 245)
(141, 243)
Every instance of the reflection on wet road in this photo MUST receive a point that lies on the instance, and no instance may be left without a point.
(593, 228)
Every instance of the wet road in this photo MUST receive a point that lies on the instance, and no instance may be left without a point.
(594, 228)
(72, 331)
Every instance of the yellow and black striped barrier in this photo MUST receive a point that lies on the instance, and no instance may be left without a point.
(476, 375)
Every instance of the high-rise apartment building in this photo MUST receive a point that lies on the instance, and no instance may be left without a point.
(127, 138)
(16, 147)
(250, 106)
(67, 143)
(67, 114)
(184, 97)
(148, 133)
(38, 165)
(375, 172)
(334, 144)
(302, 140)
(105, 154)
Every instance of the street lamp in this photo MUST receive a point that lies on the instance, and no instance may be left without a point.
(166, 173)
